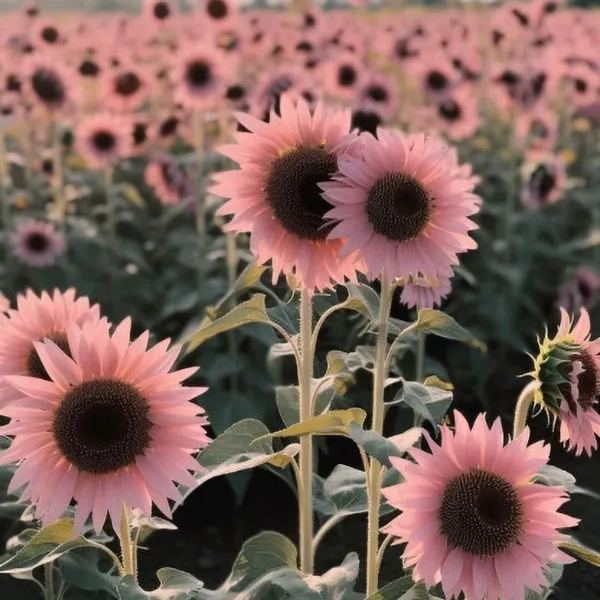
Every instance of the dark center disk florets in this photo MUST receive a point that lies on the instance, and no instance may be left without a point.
(102, 425)
(34, 365)
(217, 9)
(398, 207)
(437, 81)
(294, 195)
(127, 84)
(198, 73)
(481, 513)
(346, 76)
(161, 10)
(449, 110)
(104, 141)
(48, 86)
(588, 382)
(542, 181)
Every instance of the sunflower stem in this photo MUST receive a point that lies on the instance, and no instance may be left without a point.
(305, 508)
(374, 475)
(58, 178)
(198, 133)
(127, 548)
(420, 367)
(232, 264)
(524, 403)
(4, 199)
(49, 581)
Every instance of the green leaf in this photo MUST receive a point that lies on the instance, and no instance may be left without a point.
(428, 401)
(81, 569)
(363, 299)
(334, 422)
(245, 445)
(288, 401)
(393, 590)
(577, 550)
(439, 323)
(260, 554)
(44, 546)
(381, 448)
(174, 585)
(251, 311)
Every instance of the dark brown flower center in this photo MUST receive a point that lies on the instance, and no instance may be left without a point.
(104, 140)
(346, 75)
(294, 195)
(48, 86)
(235, 92)
(449, 110)
(377, 93)
(588, 382)
(217, 9)
(161, 10)
(37, 242)
(50, 34)
(366, 120)
(198, 73)
(102, 425)
(436, 81)
(542, 182)
(34, 365)
(481, 513)
(88, 68)
(127, 83)
(140, 133)
(398, 207)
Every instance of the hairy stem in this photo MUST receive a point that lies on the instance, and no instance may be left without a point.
(305, 508)
(49, 581)
(127, 549)
(374, 476)
(522, 408)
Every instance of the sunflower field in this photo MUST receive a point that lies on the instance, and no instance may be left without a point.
(299, 300)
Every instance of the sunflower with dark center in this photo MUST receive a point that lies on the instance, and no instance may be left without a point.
(588, 382)
(50, 34)
(276, 195)
(436, 81)
(168, 127)
(347, 76)
(365, 120)
(89, 68)
(542, 182)
(377, 93)
(449, 110)
(140, 133)
(48, 86)
(107, 439)
(235, 92)
(34, 366)
(471, 512)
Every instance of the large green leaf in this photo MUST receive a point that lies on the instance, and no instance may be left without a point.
(45, 546)
(334, 422)
(174, 585)
(288, 401)
(259, 555)
(250, 311)
(428, 401)
(439, 323)
(382, 448)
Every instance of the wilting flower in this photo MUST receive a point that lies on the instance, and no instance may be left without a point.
(422, 293)
(403, 206)
(567, 376)
(275, 194)
(102, 139)
(580, 291)
(110, 425)
(34, 319)
(473, 517)
(37, 243)
(169, 181)
(544, 180)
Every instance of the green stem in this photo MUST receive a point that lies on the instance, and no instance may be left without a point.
(198, 133)
(305, 373)
(420, 358)
(524, 403)
(49, 581)
(4, 199)
(232, 264)
(111, 209)
(58, 178)
(127, 549)
(374, 476)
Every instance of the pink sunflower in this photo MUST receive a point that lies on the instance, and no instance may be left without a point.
(48, 83)
(567, 373)
(37, 243)
(34, 319)
(544, 179)
(473, 517)
(275, 195)
(103, 139)
(125, 87)
(403, 205)
(111, 425)
(169, 181)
